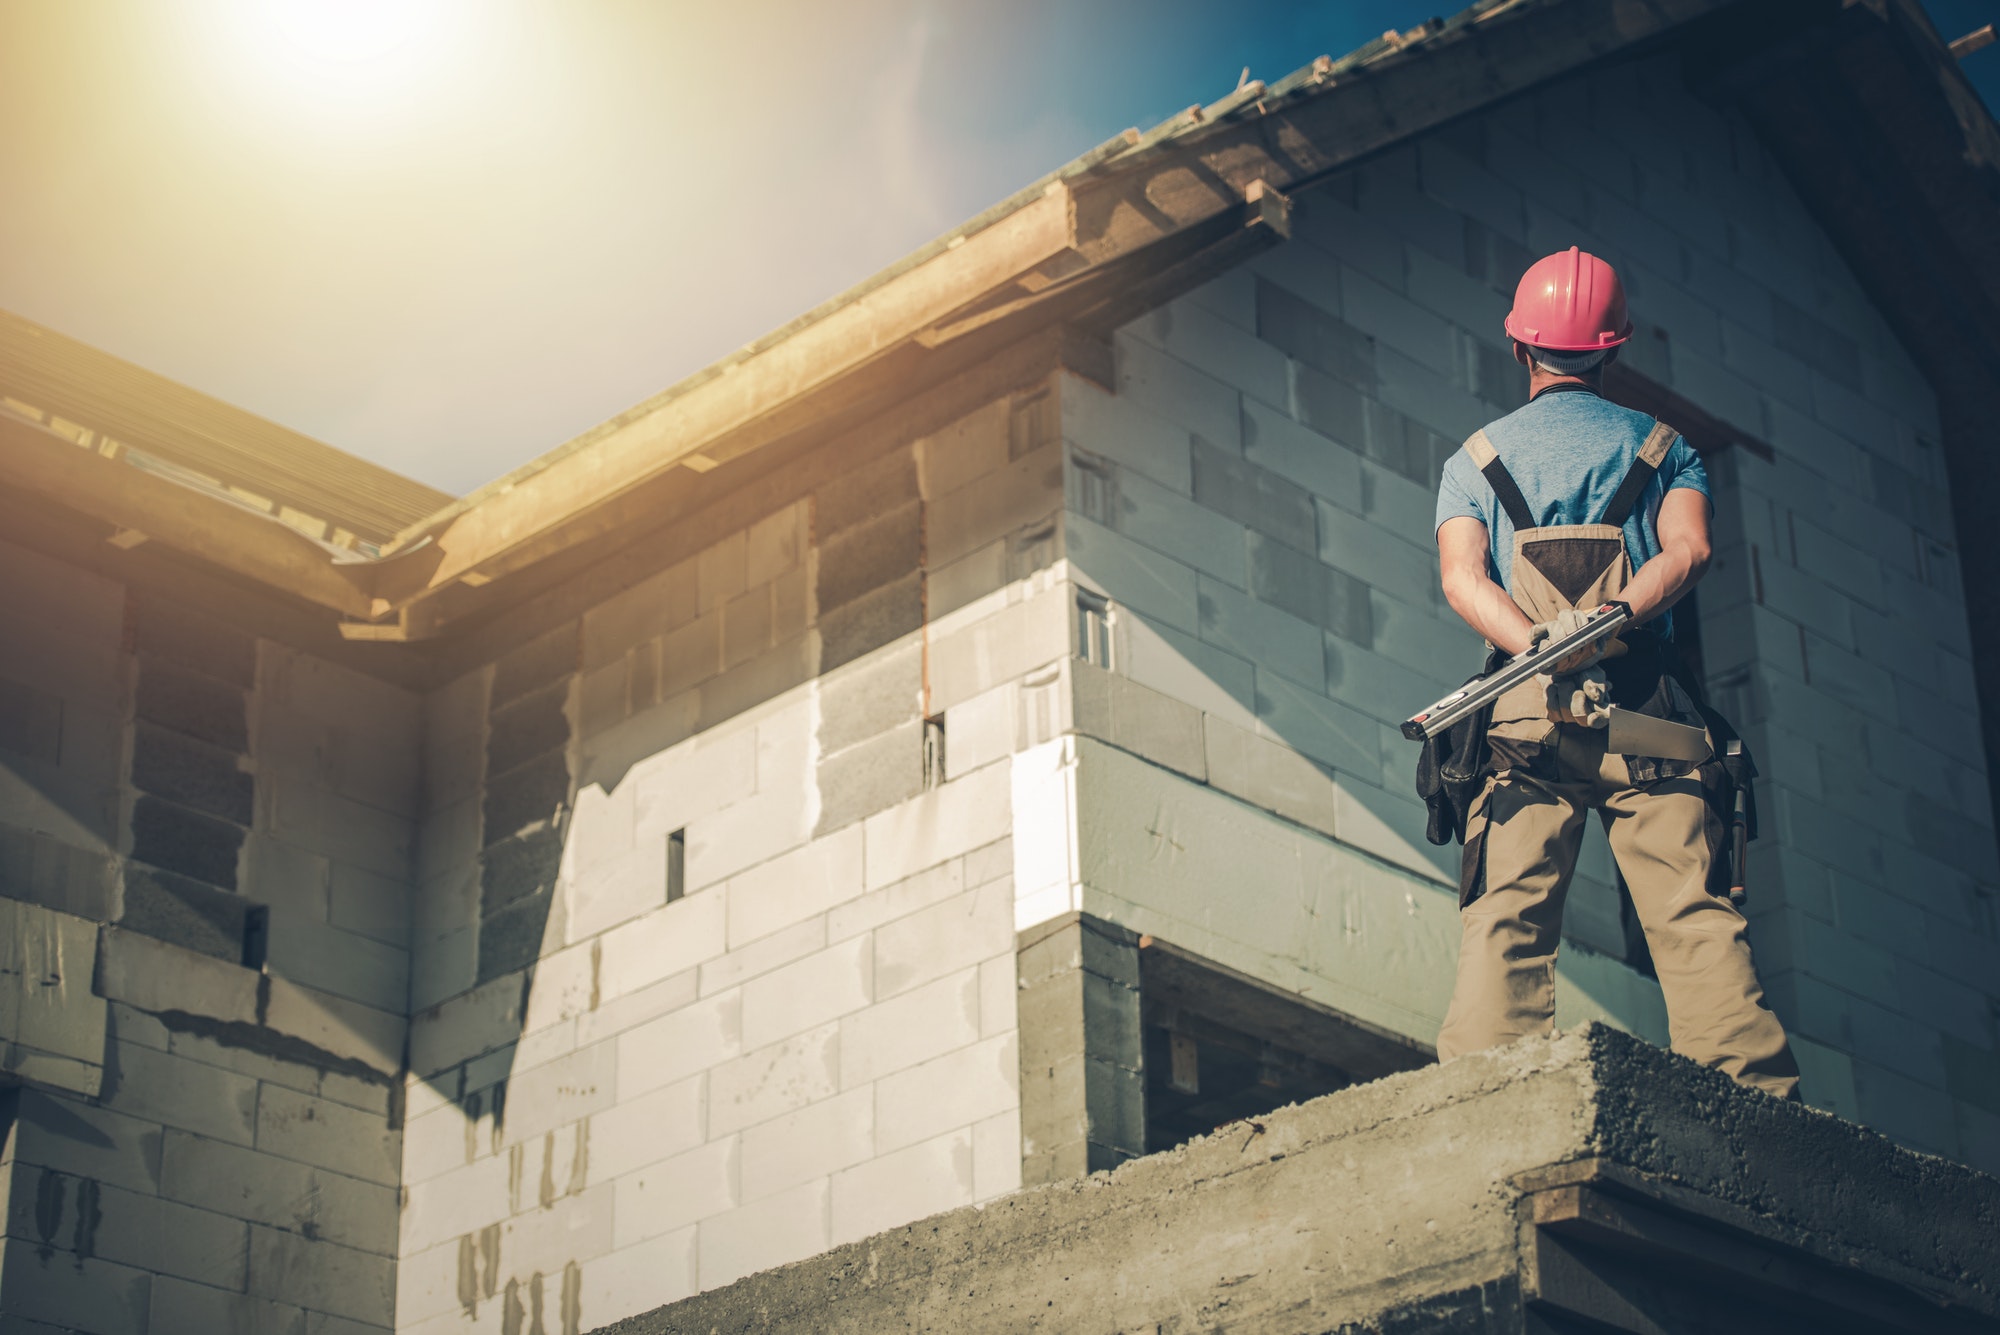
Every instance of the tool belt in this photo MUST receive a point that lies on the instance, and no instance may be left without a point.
(1563, 567)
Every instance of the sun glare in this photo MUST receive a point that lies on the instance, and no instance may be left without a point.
(348, 57)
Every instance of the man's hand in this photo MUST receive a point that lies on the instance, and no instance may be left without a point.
(1566, 624)
(1582, 698)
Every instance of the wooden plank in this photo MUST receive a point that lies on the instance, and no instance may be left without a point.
(39, 463)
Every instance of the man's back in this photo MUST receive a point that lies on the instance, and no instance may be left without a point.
(1568, 450)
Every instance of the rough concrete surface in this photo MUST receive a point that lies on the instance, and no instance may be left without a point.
(1395, 1202)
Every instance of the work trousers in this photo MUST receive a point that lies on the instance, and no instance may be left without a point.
(1664, 837)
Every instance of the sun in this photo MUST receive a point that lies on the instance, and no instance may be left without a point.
(345, 56)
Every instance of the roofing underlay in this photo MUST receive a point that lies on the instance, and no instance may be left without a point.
(1125, 226)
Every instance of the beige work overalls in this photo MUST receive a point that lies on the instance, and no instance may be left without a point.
(1523, 831)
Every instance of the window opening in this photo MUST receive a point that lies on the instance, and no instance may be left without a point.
(1093, 628)
(676, 865)
(934, 751)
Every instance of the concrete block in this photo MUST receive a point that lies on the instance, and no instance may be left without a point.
(156, 1087)
(870, 697)
(1174, 525)
(176, 839)
(148, 1233)
(760, 680)
(51, 871)
(1417, 640)
(639, 1278)
(176, 1305)
(1307, 721)
(766, 1233)
(870, 776)
(71, 1293)
(1186, 669)
(1150, 584)
(184, 913)
(322, 1275)
(1393, 320)
(947, 1093)
(527, 795)
(1018, 638)
(154, 976)
(680, 1044)
(340, 962)
(1264, 633)
(673, 1193)
(1253, 496)
(244, 1184)
(364, 902)
(772, 1081)
(1392, 828)
(1398, 565)
(1274, 442)
(916, 1026)
(927, 887)
(1170, 388)
(960, 815)
(690, 654)
(315, 1131)
(996, 1156)
(872, 553)
(910, 1184)
(981, 730)
(557, 1093)
(665, 941)
(1296, 314)
(810, 992)
(964, 451)
(532, 666)
(192, 773)
(1198, 336)
(454, 727)
(1269, 774)
(1140, 720)
(1426, 393)
(193, 704)
(654, 1126)
(997, 987)
(442, 967)
(339, 827)
(527, 727)
(869, 488)
(478, 1021)
(794, 886)
(617, 1015)
(1363, 680)
(799, 1147)
(71, 1136)
(51, 1024)
(180, 635)
(649, 609)
(1115, 428)
(673, 788)
(1027, 490)
(336, 1025)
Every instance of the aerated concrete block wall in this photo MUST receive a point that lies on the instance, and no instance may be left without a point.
(183, 793)
(1256, 500)
(713, 970)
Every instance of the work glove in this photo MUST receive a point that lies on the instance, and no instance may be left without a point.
(1582, 698)
(1568, 623)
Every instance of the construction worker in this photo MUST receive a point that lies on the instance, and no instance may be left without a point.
(1563, 504)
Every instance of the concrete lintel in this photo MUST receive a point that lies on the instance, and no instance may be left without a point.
(1414, 1197)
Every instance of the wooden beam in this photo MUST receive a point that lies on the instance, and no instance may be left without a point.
(37, 462)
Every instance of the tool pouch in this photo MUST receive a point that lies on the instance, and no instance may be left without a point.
(1453, 766)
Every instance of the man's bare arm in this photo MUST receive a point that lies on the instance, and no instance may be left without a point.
(1482, 604)
(1684, 555)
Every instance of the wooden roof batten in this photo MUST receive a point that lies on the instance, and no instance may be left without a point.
(1129, 227)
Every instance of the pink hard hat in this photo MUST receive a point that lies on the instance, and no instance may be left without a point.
(1570, 301)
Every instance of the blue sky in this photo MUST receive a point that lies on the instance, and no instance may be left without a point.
(453, 241)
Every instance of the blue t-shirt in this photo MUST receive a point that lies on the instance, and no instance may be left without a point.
(1568, 451)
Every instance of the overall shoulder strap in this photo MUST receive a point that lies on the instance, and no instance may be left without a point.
(1487, 460)
(1658, 441)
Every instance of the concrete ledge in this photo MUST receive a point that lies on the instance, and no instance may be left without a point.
(1555, 1179)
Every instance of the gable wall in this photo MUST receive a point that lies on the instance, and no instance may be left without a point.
(1258, 501)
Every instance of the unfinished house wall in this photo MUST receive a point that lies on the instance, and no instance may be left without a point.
(714, 968)
(1256, 502)
(184, 803)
